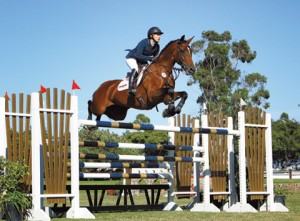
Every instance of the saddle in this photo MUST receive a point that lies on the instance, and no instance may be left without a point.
(124, 84)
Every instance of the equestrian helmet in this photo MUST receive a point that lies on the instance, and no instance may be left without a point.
(154, 30)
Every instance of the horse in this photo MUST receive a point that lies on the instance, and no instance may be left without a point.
(156, 86)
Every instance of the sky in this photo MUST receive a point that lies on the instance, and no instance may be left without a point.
(52, 43)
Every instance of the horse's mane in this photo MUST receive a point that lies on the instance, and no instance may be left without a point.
(171, 42)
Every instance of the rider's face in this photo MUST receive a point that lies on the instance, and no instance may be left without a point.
(156, 37)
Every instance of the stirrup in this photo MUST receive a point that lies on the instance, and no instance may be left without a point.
(132, 92)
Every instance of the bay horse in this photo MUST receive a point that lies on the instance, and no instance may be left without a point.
(156, 86)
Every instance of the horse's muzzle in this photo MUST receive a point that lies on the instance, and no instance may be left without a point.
(190, 70)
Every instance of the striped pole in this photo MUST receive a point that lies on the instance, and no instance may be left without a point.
(139, 146)
(136, 157)
(121, 125)
(123, 175)
(120, 165)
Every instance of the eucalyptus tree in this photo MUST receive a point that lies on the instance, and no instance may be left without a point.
(220, 80)
(285, 140)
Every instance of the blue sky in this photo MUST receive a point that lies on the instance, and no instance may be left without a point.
(51, 43)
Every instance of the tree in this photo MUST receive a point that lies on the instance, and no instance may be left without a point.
(219, 78)
(105, 136)
(146, 136)
(153, 137)
(286, 140)
(141, 119)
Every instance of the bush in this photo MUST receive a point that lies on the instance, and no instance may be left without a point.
(281, 191)
(12, 189)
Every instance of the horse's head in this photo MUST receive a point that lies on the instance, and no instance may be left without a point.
(177, 51)
(184, 56)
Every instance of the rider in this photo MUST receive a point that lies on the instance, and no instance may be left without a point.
(145, 51)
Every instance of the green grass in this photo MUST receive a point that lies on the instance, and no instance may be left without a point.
(280, 181)
(292, 203)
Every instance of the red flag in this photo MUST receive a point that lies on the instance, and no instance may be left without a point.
(75, 86)
(43, 89)
(6, 96)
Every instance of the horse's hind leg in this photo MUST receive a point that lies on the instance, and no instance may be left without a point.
(93, 127)
(90, 115)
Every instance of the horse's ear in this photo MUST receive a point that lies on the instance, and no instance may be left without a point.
(182, 38)
(189, 40)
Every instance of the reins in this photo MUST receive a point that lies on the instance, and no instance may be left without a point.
(177, 72)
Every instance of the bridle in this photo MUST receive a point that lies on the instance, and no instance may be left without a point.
(181, 60)
(180, 54)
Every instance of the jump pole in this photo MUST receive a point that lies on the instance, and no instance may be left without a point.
(3, 142)
(76, 211)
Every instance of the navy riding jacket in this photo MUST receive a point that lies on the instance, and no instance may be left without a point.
(144, 51)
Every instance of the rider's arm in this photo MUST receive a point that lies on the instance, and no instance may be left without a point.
(140, 49)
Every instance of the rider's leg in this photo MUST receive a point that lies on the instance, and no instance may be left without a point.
(131, 89)
(132, 64)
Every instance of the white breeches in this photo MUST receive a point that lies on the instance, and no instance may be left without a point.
(132, 63)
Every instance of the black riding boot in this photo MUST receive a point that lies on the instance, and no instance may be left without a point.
(131, 89)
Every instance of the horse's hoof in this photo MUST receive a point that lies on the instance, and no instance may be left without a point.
(90, 128)
(171, 107)
(168, 113)
(165, 113)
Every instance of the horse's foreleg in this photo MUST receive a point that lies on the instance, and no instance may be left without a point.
(169, 100)
(183, 95)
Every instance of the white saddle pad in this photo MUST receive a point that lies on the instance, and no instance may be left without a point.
(124, 85)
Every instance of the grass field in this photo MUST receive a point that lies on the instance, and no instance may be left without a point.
(292, 203)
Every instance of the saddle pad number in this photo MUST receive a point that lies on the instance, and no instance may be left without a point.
(123, 85)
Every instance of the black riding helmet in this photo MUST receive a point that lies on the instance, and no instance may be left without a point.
(154, 30)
